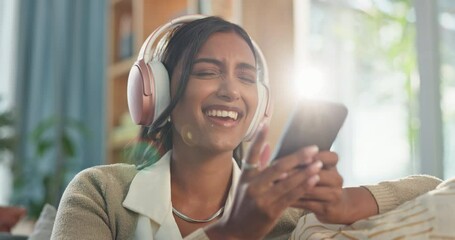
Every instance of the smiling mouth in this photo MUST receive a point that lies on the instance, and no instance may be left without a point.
(225, 114)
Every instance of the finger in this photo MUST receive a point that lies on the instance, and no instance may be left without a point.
(254, 153)
(296, 183)
(330, 178)
(323, 194)
(329, 159)
(295, 193)
(324, 211)
(307, 154)
(302, 157)
(265, 156)
(314, 206)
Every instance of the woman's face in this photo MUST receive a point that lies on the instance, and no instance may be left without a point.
(221, 96)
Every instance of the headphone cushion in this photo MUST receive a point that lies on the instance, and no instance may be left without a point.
(138, 94)
(161, 87)
(259, 115)
(147, 91)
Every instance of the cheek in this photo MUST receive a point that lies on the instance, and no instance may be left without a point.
(194, 95)
(197, 92)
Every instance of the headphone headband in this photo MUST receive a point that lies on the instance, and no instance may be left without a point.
(145, 53)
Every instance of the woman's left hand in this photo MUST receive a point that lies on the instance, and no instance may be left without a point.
(330, 202)
(326, 199)
(264, 193)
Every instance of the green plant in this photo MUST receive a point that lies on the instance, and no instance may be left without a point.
(7, 139)
(65, 147)
(54, 142)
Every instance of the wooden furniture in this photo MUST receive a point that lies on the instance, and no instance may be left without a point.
(131, 21)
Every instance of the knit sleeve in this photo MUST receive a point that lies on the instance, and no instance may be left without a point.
(82, 211)
(91, 206)
(390, 194)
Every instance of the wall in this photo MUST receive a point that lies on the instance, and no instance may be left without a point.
(270, 23)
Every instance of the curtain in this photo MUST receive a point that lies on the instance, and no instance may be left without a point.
(8, 14)
(60, 98)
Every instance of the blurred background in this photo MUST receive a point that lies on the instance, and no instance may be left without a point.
(64, 67)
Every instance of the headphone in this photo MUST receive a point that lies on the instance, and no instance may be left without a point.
(148, 88)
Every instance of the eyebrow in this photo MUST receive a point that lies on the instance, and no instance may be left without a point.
(220, 64)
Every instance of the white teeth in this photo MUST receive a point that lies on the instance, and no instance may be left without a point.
(233, 115)
(222, 113)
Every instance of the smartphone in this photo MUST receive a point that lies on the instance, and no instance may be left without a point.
(312, 122)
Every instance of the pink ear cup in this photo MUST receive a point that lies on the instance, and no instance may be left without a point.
(141, 96)
(148, 91)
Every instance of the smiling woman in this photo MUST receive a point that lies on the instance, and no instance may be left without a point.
(203, 89)
(217, 98)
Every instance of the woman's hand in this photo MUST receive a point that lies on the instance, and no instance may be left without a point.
(263, 194)
(325, 200)
(330, 202)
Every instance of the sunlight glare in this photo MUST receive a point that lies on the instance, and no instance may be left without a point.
(310, 82)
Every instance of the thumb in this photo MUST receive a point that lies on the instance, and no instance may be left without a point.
(265, 156)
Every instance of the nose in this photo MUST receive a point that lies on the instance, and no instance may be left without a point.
(228, 90)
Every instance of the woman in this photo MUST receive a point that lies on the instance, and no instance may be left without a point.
(195, 187)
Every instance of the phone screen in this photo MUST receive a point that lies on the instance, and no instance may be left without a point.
(312, 122)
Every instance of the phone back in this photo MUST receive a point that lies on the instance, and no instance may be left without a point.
(313, 122)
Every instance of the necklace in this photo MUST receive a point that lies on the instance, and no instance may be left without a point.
(192, 220)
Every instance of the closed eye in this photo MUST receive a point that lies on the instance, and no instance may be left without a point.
(206, 74)
(247, 78)
(247, 75)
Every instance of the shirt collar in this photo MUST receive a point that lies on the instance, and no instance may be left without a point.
(235, 180)
(150, 191)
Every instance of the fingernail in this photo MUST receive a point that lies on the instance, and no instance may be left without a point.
(313, 149)
(318, 164)
(312, 181)
(284, 175)
(307, 153)
(315, 166)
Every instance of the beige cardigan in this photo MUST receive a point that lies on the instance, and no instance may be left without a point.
(91, 207)
(429, 216)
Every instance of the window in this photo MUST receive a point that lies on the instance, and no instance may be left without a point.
(446, 12)
(367, 52)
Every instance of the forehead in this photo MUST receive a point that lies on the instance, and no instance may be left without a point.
(227, 44)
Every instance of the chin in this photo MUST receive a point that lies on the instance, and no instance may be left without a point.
(223, 145)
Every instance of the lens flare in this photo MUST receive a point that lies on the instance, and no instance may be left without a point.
(310, 82)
